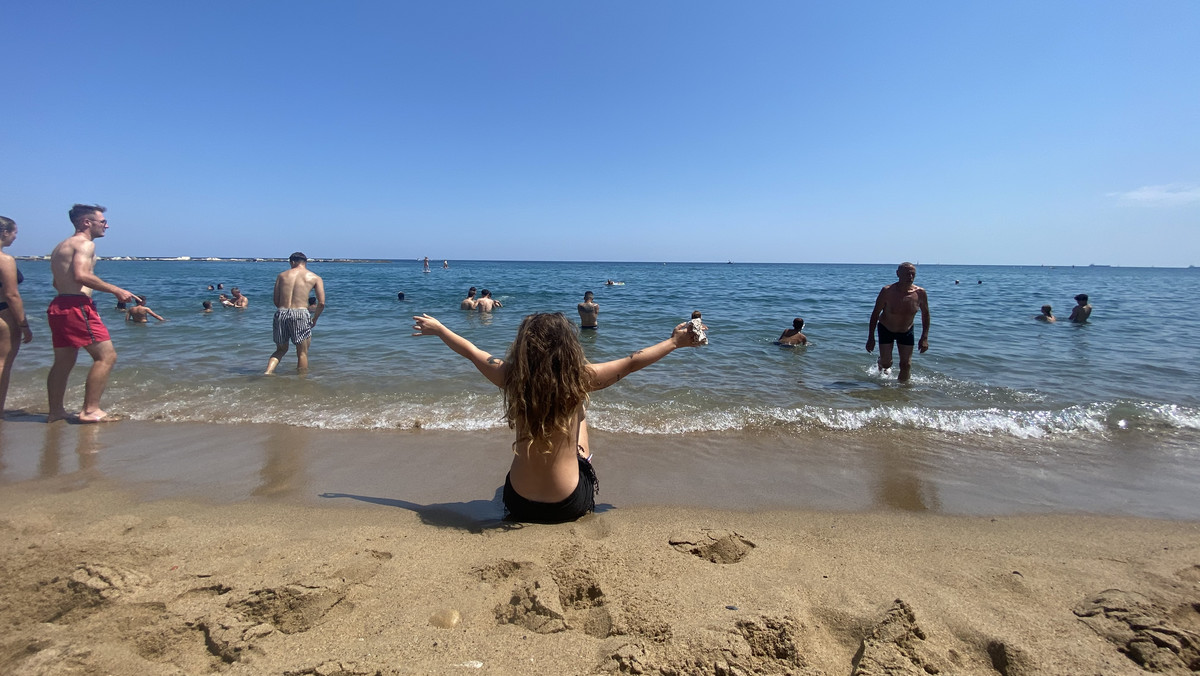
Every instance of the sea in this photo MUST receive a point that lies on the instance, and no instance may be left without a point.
(1102, 416)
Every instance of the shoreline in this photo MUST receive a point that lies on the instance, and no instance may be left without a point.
(463, 471)
(101, 580)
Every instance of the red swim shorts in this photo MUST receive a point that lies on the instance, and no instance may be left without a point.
(75, 322)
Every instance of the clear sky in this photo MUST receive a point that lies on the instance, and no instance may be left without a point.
(860, 132)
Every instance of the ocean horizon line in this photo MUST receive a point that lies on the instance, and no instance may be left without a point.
(337, 259)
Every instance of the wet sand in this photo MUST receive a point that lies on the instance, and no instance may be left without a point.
(138, 548)
(918, 472)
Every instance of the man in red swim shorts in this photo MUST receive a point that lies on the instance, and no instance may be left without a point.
(74, 320)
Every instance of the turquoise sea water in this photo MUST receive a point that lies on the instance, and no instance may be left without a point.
(991, 371)
(1003, 413)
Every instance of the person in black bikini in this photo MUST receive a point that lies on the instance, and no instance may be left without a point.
(14, 325)
(546, 380)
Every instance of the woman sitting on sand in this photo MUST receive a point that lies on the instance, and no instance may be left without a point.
(546, 380)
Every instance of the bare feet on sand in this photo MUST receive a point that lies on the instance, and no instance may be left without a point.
(96, 416)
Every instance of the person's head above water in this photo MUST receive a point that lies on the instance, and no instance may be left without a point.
(545, 382)
(470, 292)
(696, 314)
(798, 323)
(1081, 299)
(1046, 310)
(485, 294)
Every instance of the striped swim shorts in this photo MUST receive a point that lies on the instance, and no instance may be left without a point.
(291, 325)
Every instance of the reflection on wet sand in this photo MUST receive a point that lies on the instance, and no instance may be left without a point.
(87, 450)
(284, 470)
(899, 484)
(48, 466)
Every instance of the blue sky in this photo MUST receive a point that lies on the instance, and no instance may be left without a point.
(869, 132)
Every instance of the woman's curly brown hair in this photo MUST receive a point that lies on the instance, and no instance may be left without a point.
(546, 380)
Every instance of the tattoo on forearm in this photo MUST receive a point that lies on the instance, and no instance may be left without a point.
(495, 360)
(635, 354)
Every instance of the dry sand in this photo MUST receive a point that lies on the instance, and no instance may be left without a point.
(95, 579)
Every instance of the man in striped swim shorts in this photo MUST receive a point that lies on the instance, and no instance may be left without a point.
(293, 321)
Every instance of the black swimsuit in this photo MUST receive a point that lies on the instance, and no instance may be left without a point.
(886, 336)
(581, 501)
(20, 278)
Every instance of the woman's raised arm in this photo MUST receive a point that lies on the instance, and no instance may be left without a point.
(491, 367)
(609, 372)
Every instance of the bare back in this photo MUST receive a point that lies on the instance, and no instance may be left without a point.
(793, 337)
(588, 312)
(549, 477)
(73, 255)
(293, 286)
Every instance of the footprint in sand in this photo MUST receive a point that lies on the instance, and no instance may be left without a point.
(764, 645)
(567, 598)
(895, 646)
(534, 602)
(501, 570)
(230, 638)
(232, 633)
(717, 546)
(105, 582)
(1141, 630)
(583, 601)
(534, 605)
(335, 668)
(291, 609)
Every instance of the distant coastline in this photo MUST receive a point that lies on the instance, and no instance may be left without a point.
(217, 259)
(257, 259)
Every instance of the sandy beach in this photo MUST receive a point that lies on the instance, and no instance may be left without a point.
(105, 576)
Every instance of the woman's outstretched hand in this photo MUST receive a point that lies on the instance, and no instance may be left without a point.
(424, 325)
(683, 336)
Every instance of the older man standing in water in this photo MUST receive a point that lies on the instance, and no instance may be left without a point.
(895, 309)
(293, 321)
(74, 320)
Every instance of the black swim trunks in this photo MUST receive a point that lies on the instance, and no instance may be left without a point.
(578, 503)
(886, 336)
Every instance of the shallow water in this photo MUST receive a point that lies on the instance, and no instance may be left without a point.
(991, 369)
(1003, 414)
